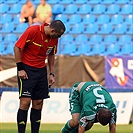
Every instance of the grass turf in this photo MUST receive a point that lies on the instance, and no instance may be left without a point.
(55, 128)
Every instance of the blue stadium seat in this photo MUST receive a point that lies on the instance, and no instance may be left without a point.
(124, 39)
(4, 8)
(103, 18)
(122, 1)
(5, 18)
(113, 9)
(126, 9)
(108, 1)
(9, 49)
(130, 29)
(66, 1)
(53, 1)
(112, 49)
(98, 49)
(82, 49)
(110, 39)
(7, 28)
(2, 1)
(36, 2)
(11, 1)
(1, 37)
(22, 1)
(120, 29)
(70, 9)
(57, 9)
(16, 19)
(10, 37)
(92, 28)
(74, 18)
(95, 39)
(127, 49)
(15, 8)
(21, 28)
(84, 9)
(68, 49)
(106, 29)
(81, 38)
(117, 18)
(77, 28)
(129, 19)
(81, 1)
(99, 9)
(2, 48)
(94, 1)
(67, 38)
(68, 27)
(89, 18)
(62, 17)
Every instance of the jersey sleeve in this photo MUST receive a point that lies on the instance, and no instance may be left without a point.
(85, 117)
(114, 116)
(25, 37)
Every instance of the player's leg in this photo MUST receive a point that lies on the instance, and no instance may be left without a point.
(71, 124)
(35, 115)
(40, 92)
(25, 99)
(22, 114)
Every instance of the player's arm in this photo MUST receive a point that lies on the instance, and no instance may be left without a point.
(51, 58)
(112, 128)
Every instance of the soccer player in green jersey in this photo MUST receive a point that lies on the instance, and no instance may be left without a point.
(90, 103)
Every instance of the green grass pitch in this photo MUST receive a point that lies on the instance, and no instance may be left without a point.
(55, 128)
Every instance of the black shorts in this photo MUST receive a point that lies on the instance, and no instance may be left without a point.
(36, 86)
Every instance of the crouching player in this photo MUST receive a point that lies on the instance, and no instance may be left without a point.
(90, 103)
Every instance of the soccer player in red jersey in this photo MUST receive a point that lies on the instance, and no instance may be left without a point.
(36, 44)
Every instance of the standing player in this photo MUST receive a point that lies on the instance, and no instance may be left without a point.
(90, 103)
(31, 50)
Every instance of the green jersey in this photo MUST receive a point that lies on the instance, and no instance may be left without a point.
(88, 100)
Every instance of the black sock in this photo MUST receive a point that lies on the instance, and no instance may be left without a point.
(35, 118)
(21, 120)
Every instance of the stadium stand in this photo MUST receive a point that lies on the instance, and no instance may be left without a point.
(74, 19)
(106, 29)
(62, 17)
(102, 19)
(120, 29)
(4, 8)
(91, 28)
(81, 38)
(113, 9)
(5, 18)
(15, 8)
(108, 1)
(21, 27)
(57, 9)
(7, 28)
(81, 1)
(70, 9)
(77, 28)
(10, 38)
(116, 19)
(129, 19)
(110, 19)
(89, 18)
(84, 9)
(99, 9)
